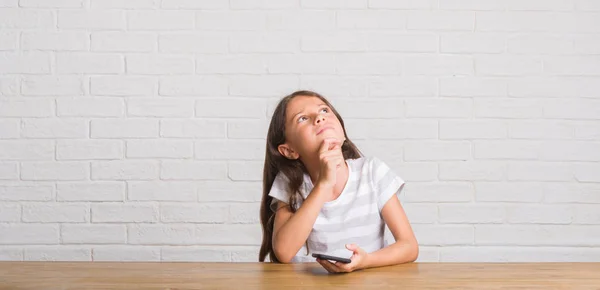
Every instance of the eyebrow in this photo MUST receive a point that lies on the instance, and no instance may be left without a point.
(319, 105)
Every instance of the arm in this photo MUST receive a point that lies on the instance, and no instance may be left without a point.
(290, 230)
(405, 249)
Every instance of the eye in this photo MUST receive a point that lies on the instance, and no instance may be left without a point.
(325, 109)
(301, 119)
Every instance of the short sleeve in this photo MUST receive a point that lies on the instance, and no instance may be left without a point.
(385, 182)
(279, 191)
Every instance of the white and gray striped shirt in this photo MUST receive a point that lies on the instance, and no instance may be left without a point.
(354, 217)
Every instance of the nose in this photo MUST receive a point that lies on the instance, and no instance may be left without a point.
(319, 119)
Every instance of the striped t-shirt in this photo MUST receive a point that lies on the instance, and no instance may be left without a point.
(354, 217)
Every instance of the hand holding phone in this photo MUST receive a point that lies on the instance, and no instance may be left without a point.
(332, 258)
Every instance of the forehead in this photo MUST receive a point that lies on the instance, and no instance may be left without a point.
(299, 103)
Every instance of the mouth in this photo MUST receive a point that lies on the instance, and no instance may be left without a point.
(323, 129)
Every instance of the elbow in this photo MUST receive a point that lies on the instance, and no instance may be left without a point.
(282, 257)
(414, 252)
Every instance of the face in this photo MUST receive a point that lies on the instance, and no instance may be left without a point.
(308, 122)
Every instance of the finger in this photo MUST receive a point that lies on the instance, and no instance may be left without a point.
(325, 145)
(327, 265)
(333, 267)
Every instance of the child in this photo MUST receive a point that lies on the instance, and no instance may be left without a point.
(321, 196)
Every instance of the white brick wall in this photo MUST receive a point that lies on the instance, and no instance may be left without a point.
(134, 130)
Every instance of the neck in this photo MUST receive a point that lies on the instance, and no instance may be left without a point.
(314, 167)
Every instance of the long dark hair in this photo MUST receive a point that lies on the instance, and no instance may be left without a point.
(293, 170)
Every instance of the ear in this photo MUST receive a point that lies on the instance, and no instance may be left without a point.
(287, 151)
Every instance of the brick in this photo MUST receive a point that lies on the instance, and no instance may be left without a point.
(507, 149)
(437, 150)
(193, 170)
(336, 41)
(385, 41)
(194, 253)
(90, 107)
(441, 20)
(58, 253)
(263, 4)
(91, 19)
(540, 171)
(9, 170)
(539, 214)
(9, 40)
(570, 151)
(89, 63)
(165, 108)
(26, 150)
(296, 20)
(416, 171)
(444, 235)
(93, 234)
(480, 5)
(585, 214)
(401, 129)
(112, 41)
(518, 254)
(89, 149)
(439, 65)
(585, 131)
(587, 5)
(514, 191)
(162, 191)
(473, 42)
(541, 129)
(52, 4)
(29, 62)
(11, 254)
(229, 149)
(421, 213)
(245, 171)
(525, 21)
(404, 4)
(204, 129)
(368, 64)
(495, 65)
(244, 213)
(587, 172)
(553, 87)
(472, 170)
(570, 192)
(194, 213)
(572, 65)
(385, 86)
(117, 4)
(572, 108)
(160, 149)
(9, 85)
(175, 234)
(54, 128)
(269, 85)
(160, 20)
(586, 45)
(552, 5)
(16, 18)
(56, 41)
(235, 234)
(439, 107)
(480, 129)
(261, 42)
(371, 19)
(231, 20)
(60, 170)
(124, 170)
(234, 64)
(193, 4)
(126, 254)
(26, 192)
(124, 128)
(247, 129)
(19, 234)
(327, 4)
(342, 86)
(10, 212)
(56, 213)
(159, 64)
(180, 86)
(439, 192)
(52, 86)
(128, 212)
(235, 108)
(369, 108)
(123, 86)
(229, 191)
(90, 191)
(539, 44)
(11, 129)
(204, 42)
(472, 87)
(508, 108)
(537, 235)
(471, 214)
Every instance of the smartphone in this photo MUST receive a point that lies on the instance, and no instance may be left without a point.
(332, 258)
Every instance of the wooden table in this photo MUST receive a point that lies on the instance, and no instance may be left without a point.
(164, 275)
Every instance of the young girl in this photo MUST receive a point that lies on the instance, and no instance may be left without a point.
(321, 196)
